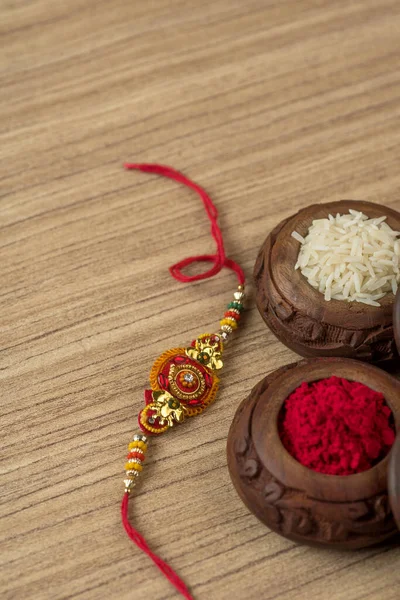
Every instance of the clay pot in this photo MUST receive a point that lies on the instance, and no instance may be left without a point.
(352, 511)
(298, 314)
(346, 512)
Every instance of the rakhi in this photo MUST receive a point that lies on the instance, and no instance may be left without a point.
(183, 381)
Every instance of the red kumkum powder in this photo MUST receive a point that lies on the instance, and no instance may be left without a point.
(336, 426)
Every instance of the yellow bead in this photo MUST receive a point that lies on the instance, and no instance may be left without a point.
(133, 445)
(229, 321)
(133, 465)
(143, 446)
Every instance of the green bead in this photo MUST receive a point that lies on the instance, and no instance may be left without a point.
(237, 305)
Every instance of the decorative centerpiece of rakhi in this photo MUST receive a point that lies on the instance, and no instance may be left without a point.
(183, 383)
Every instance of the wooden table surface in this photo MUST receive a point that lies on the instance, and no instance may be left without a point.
(271, 106)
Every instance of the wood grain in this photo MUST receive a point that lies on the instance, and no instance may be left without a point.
(271, 106)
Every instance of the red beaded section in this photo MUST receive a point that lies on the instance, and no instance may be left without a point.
(232, 315)
(138, 455)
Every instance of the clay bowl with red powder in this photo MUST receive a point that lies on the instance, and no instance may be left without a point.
(345, 512)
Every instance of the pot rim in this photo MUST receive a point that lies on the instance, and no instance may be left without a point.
(309, 300)
(279, 462)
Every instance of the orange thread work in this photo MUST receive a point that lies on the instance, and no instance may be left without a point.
(159, 365)
(192, 411)
(146, 425)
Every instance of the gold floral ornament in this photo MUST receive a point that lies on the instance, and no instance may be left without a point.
(161, 412)
(207, 350)
(168, 409)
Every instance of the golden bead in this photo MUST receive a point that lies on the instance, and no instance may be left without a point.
(226, 329)
(132, 473)
(129, 485)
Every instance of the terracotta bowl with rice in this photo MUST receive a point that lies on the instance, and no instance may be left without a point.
(326, 279)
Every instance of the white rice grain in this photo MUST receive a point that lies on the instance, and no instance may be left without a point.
(298, 237)
(350, 257)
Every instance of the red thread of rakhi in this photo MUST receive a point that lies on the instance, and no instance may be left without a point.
(183, 380)
(337, 427)
(219, 259)
(142, 545)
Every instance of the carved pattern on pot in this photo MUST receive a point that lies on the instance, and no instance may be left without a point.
(291, 511)
(286, 321)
